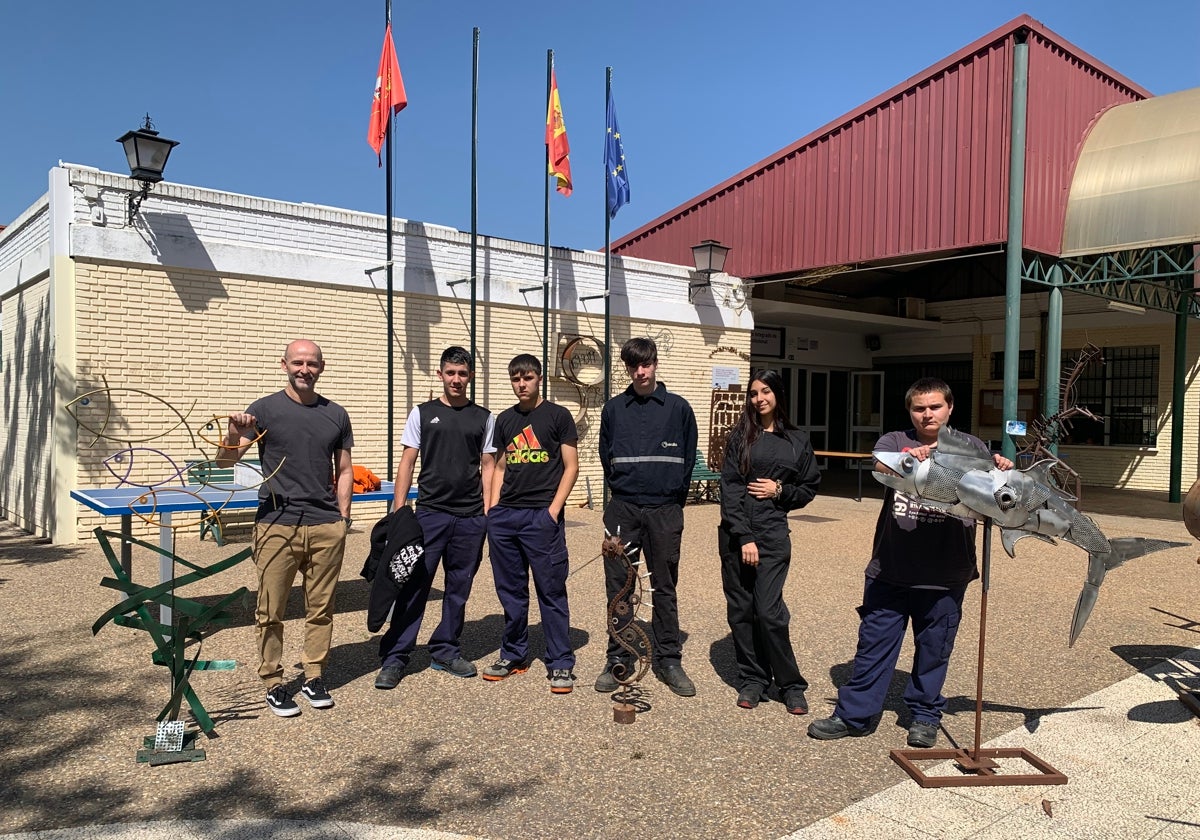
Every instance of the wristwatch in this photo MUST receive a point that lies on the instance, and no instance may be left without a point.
(778, 488)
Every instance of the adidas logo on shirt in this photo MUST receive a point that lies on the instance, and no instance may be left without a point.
(435, 420)
(525, 449)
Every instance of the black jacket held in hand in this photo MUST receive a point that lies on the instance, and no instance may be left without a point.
(397, 546)
(787, 458)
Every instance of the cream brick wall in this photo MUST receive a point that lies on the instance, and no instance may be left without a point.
(205, 344)
(28, 402)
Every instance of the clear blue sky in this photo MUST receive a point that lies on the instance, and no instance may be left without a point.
(272, 98)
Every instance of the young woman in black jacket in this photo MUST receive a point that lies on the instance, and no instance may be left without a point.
(769, 470)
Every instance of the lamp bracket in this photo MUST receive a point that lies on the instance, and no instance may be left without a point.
(135, 201)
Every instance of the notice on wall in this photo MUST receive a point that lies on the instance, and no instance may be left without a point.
(723, 377)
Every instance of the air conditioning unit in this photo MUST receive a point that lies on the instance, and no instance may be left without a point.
(911, 307)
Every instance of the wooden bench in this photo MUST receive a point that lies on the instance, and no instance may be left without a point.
(706, 483)
(857, 457)
(245, 473)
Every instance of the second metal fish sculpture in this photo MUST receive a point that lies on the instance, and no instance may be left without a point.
(958, 479)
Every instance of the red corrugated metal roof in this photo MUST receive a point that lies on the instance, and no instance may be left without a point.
(921, 168)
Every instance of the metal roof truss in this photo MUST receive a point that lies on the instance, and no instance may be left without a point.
(1153, 278)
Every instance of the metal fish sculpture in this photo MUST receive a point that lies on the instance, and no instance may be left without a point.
(957, 479)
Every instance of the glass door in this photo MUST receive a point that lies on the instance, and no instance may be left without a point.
(866, 409)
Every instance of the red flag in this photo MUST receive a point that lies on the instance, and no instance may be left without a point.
(556, 140)
(390, 97)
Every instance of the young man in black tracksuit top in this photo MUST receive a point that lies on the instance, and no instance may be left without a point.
(648, 449)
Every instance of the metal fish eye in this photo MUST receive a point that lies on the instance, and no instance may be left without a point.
(1006, 499)
(908, 463)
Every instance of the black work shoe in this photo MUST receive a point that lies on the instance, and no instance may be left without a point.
(795, 701)
(281, 703)
(389, 677)
(458, 666)
(504, 668)
(831, 728)
(749, 697)
(607, 682)
(676, 679)
(316, 694)
(922, 734)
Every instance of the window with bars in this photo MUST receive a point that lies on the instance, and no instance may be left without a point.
(1122, 391)
(1026, 364)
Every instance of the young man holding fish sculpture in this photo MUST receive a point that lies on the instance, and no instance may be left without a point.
(921, 563)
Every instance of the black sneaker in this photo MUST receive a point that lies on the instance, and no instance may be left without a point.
(504, 668)
(317, 695)
(749, 697)
(796, 702)
(831, 728)
(281, 703)
(389, 677)
(922, 734)
(676, 679)
(458, 666)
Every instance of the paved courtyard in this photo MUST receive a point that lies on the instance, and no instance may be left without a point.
(511, 760)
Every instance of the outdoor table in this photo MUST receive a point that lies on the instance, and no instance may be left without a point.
(162, 502)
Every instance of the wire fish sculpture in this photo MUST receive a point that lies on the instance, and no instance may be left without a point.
(622, 614)
(958, 480)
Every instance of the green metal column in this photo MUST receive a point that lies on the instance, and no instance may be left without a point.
(1178, 392)
(1052, 364)
(1014, 249)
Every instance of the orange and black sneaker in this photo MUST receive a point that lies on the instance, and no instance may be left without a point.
(504, 668)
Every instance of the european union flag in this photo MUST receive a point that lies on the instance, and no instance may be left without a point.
(617, 190)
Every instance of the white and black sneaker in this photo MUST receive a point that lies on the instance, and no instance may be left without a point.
(281, 703)
(317, 695)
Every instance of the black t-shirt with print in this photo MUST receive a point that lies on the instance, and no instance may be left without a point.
(530, 444)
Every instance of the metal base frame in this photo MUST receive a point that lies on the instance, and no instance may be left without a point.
(977, 767)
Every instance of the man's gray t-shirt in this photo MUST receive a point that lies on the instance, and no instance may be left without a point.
(297, 452)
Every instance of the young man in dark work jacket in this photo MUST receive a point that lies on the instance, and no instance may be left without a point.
(648, 449)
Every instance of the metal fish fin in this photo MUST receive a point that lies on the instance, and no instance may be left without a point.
(1083, 609)
(951, 442)
(1127, 548)
(1009, 537)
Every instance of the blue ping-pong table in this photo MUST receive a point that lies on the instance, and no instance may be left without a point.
(160, 503)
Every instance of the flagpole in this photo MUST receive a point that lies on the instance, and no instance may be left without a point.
(391, 350)
(607, 256)
(474, 195)
(546, 246)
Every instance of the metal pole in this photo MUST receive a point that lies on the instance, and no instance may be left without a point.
(1178, 393)
(983, 599)
(391, 349)
(546, 242)
(1052, 364)
(474, 195)
(1014, 248)
(607, 274)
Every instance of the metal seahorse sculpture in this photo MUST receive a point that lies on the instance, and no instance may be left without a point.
(958, 480)
(622, 617)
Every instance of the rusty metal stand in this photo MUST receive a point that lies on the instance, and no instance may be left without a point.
(977, 765)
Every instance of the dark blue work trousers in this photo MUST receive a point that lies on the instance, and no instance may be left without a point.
(457, 543)
(521, 540)
(885, 612)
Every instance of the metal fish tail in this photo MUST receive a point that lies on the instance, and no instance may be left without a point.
(1119, 550)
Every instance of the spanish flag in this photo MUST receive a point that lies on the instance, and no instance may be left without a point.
(556, 140)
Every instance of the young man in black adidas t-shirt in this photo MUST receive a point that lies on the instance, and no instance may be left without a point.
(536, 467)
(454, 438)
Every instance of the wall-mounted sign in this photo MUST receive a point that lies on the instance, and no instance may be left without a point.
(723, 377)
(767, 341)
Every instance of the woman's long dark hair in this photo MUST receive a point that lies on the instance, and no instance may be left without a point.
(749, 425)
